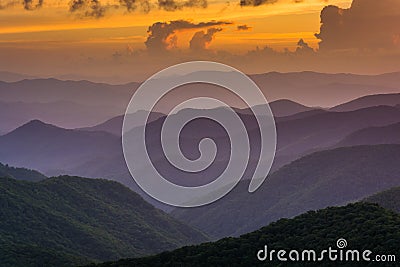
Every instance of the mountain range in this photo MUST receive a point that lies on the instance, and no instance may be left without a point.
(362, 226)
(65, 113)
(322, 179)
(48, 148)
(328, 154)
(64, 221)
(97, 152)
(369, 101)
(68, 104)
(373, 136)
(81, 103)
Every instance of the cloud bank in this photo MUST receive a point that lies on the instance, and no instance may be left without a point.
(162, 35)
(32, 4)
(88, 8)
(243, 28)
(367, 24)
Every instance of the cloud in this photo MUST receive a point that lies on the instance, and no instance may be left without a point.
(201, 39)
(257, 2)
(243, 27)
(367, 24)
(129, 4)
(303, 47)
(32, 4)
(132, 5)
(94, 8)
(168, 5)
(162, 35)
(7, 4)
(172, 5)
(88, 8)
(264, 2)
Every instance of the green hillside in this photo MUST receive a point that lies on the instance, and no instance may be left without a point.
(20, 173)
(71, 220)
(364, 226)
(389, 199)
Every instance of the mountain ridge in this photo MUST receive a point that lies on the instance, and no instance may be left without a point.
(369, 101)
(21, 173)
(362, 226)
(321, 179)
(85, 220)
(389, 199)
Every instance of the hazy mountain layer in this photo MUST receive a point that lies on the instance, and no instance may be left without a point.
(322, 179)
(389, 199)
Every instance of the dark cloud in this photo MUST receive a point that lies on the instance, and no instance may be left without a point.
(257, 2)
(172, 5)
(132, 5)
(88, 8)
(168, 5)
(7, 4)
(303, 47)
(367, 24)
(265, 2)
(94, 8)
(32, 4)
(129, 4)
(202, 39)
(243, 27)
(161, 35)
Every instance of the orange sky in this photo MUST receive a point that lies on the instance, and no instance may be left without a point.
(52, 41)
(280, 25)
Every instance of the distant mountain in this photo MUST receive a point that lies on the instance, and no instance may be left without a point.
(301, 115)
(389, 199)
(62, 113)
(72, 221)
(309, 88)
(7, 76)
(114, 125)
(298, 137)
(326, 178)
(20, 173)
(324, 90)
(91, 103)
(68, 104)
(79, 92)
(369, 101)
(99, 154)
(48, 148)
(373, 136)
(282, 108)
(363, 226)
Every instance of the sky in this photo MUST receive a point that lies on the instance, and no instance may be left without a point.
(128, 40)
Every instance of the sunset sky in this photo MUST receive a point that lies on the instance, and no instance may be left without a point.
(125, 40)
